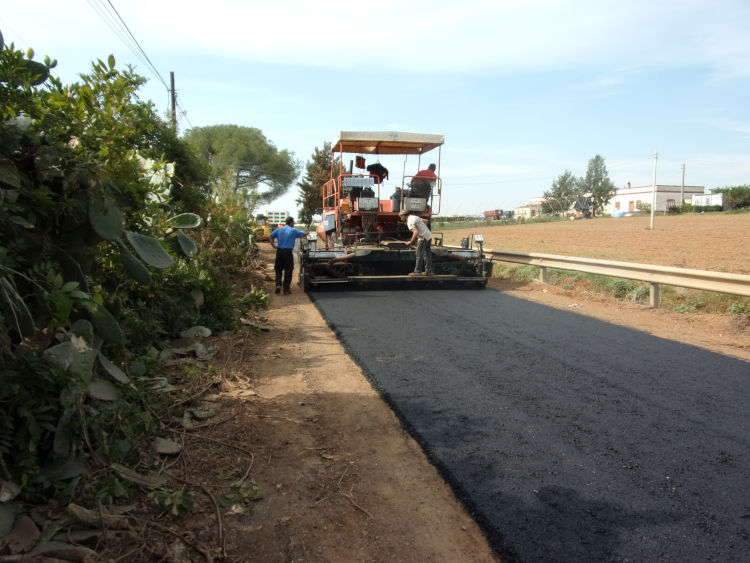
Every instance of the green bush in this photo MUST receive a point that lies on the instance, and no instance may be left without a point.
(522, 274)
(708, 208)
(737, 197)
(50, 424)
(737, 309)
(690, 307)
(96, 267)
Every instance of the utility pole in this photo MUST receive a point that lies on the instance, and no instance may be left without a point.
(682, 189)
(173, 97)
(653, 199)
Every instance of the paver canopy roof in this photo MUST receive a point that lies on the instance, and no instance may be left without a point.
(386, 142)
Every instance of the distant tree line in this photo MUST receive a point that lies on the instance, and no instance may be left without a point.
(737, 197)
(595, 186)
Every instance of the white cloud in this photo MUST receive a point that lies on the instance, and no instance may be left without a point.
(741, 127)
(419, 35)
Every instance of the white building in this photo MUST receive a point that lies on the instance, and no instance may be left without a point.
(629, 198)
(708, 199)
(530, 210)
(277, 217)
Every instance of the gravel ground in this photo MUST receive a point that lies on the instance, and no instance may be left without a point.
(568, 438)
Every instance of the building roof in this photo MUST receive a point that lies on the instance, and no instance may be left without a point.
(659, 188)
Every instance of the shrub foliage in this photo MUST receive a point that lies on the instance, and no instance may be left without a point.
(100, 207)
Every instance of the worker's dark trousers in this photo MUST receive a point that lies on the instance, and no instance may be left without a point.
(424, 256)
(284, 264)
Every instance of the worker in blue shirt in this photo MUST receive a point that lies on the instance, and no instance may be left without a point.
(283, 239)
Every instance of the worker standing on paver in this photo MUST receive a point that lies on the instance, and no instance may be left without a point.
(422, 235)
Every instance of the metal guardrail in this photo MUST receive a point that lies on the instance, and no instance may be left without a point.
(736, 284)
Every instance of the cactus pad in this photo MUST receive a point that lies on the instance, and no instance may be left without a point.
(185, 221)
(188, 247)
(106, 219)
(149, 249)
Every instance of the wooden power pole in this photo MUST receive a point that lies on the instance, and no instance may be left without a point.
(682, 188)
(173, 97)
(653, 197)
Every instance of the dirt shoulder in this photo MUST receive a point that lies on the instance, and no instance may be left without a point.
(341, 480)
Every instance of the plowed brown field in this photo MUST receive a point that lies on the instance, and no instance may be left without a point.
(717, 242)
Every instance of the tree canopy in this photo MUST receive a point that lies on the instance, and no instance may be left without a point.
(564, 192)
(318, 173)
(245, 152)
(597, 184)
(736, 197)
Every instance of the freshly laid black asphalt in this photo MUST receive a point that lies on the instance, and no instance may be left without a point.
(568, 439)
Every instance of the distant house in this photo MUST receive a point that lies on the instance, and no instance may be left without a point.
(708, 199)
(630, 198)
(530, 210)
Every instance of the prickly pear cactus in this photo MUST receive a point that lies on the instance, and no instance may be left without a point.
(188, 247)
(9, 175)
(106, 219)
(185, 221)
(105, 324)
(85, 330)
(149, 249)
(74, 355)
(134, 267)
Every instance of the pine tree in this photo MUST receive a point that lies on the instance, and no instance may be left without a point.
(318, 173)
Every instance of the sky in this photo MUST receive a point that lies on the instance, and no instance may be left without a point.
(522, 91)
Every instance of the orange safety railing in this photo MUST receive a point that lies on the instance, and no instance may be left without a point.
(435, 194)
(333, 193)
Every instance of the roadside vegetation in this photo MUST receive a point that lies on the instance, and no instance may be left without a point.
(116, 237)
(674, 299)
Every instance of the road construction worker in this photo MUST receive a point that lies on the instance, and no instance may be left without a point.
(422, 235)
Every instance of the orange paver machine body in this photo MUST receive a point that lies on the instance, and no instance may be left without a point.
(361, 238)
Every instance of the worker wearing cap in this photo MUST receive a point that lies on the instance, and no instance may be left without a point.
(423, 237)
(283, 239)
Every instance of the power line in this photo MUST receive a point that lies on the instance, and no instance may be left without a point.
(109, 14)
(7, 26)
(107, 18)
(183, 113)
(148, 60)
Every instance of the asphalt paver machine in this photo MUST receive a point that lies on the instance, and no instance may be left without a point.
(361, 239)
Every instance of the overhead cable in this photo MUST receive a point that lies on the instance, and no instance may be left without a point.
(109, 14)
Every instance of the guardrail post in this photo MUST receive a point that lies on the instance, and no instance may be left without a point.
(543, 275)
(654, 296)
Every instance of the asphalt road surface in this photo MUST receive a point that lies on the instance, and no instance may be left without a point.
(568, 439)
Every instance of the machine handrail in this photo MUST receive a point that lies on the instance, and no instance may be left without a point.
(433, 193)
(337, 185)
